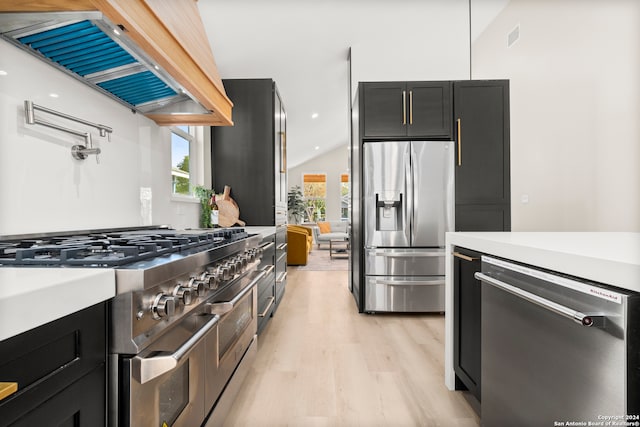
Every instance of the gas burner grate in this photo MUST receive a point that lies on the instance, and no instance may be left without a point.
(111, 249)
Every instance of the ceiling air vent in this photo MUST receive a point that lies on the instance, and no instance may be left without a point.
(93, 50)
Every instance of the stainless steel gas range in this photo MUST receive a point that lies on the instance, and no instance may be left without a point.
(183, 323)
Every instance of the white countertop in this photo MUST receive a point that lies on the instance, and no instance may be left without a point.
(609, 258)
(31, 297)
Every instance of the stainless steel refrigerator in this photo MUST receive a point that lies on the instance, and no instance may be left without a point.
(408, 203)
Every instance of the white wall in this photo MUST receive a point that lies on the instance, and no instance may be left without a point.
(43, 189)
(333, 163)
(433, 48)
(575, 103)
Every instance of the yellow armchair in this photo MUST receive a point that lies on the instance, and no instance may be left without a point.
(299, 243)
(307, 230)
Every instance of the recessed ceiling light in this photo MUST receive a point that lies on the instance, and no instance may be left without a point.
(3, 73)
(115, 30)
(54, 95)
(314, 116)
(317, 147)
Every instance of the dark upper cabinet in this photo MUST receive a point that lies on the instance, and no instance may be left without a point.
(466, 323)
(406, 109)
(250, 156)
(481, 115)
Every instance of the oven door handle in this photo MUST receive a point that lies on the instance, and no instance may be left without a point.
(146, 369)
(224, 307)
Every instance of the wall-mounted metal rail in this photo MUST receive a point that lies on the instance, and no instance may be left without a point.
(79, 152)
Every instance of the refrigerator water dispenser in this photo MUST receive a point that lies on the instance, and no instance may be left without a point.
(389, 212)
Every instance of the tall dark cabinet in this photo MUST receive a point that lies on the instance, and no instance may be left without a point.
(251, 157)
(481, 114)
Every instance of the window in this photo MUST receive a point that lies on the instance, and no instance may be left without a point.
(181, 144)
(345, 199)
(315, 194)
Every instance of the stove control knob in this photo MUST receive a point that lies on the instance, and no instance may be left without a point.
(183, 294)
(231, 267)
(211, 278)
(242, 260)
(222, 272)
(235, 261)
(197, 286)
(163, 306)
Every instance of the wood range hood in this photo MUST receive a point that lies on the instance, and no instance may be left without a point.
(151, 55)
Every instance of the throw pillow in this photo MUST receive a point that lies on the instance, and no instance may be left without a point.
(324, 227)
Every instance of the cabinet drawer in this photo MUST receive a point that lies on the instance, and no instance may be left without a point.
(49, 358)
(404, 294)
(266, 300)
(81, 404)
(404, 262)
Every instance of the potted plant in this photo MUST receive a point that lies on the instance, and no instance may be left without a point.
(204, 194)
(295, 204)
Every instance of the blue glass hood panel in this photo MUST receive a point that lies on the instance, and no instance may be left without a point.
(85, 49)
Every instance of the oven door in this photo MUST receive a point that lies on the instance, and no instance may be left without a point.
(164, 385)
(236, 344)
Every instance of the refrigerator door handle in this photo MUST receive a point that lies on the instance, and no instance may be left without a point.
(409, 254)
(436, 282)
(409, 176)
(584, 319)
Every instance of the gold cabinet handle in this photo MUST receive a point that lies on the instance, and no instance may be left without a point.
(404, 107)
(464, 257)
(7, 389)
(410, 107)
(459, 122)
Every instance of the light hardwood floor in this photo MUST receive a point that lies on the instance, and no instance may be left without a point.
(320, 363)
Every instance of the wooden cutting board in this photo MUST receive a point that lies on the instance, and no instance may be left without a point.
(229, 213)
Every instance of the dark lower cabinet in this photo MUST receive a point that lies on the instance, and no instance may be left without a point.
(466, 323)
(80, 404)
(60, 371)
(266, 288)
(281, 263)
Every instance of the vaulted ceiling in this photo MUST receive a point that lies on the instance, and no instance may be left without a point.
(304, 46)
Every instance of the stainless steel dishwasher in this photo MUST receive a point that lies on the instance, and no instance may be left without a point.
(556, 349)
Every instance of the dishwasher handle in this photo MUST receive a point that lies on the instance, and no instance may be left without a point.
(584, 319)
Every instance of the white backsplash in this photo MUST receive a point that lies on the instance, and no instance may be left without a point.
(43, 189)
